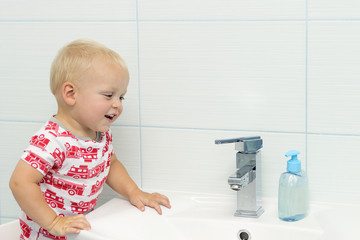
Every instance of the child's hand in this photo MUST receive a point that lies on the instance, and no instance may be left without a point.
(62, 226)
(141, 199)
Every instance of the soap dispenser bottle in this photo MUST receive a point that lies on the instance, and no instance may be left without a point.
(293, 203)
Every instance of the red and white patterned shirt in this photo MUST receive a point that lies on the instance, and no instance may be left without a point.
(74, 170)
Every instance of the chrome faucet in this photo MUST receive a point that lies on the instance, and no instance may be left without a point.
(247, 178)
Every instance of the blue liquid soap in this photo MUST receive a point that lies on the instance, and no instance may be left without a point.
(293, 203)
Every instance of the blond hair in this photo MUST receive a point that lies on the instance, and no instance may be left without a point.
(75, 58)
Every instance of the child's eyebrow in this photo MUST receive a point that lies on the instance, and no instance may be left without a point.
(113, 90)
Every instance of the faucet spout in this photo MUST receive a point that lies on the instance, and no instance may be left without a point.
(246, 181)
(242, 177)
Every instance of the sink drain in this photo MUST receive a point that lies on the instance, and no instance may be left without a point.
(244, 234)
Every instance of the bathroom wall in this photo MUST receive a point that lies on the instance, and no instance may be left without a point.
(200, 70)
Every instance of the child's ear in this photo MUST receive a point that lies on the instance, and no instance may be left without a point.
(68, 93)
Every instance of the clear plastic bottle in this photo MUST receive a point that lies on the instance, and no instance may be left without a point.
(293, 203)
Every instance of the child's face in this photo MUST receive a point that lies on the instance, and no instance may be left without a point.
(98, 99)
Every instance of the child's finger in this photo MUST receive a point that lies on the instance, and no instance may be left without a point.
(161, 199)
(137, 203)
(164, 201)
(72, 230)
(154, 204)
(81, 222)
(76, 223)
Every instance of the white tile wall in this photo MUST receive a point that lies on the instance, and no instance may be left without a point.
(200, 70)
(334, 77)
(334, 9)
(67, 10)
(334, 168)
(221, 10)
(223, 75)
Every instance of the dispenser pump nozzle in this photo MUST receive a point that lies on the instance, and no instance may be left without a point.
(293, 165)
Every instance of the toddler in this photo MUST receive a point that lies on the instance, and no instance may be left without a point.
(62, 171)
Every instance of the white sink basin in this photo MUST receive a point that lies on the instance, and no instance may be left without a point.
(340, 222)
(213, 229)
(210, 217)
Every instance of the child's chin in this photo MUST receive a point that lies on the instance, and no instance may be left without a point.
(103, 129)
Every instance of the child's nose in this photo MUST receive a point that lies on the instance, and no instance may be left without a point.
(117, 103)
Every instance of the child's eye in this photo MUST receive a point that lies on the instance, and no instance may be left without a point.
(121, 99)
(108, 95)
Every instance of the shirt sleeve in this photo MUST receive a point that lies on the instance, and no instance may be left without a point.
(41, 152)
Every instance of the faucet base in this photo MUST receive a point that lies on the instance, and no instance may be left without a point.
(249, 214)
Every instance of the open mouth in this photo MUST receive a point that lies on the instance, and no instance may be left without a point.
(111, 117)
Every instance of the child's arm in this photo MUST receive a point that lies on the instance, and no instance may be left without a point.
(119, 180)
(24, 185)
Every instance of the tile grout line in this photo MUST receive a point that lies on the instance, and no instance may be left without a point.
(139, 95)
(306, 81)
(306, 19)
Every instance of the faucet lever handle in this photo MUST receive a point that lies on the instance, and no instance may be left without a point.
(244, 144)
(233, 140)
